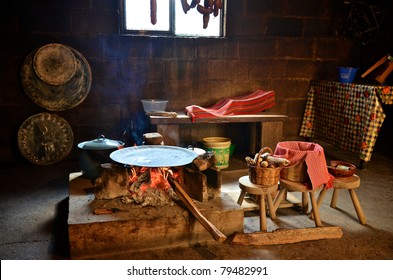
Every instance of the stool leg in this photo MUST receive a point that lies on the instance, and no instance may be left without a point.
(262, 213)
(358, 208)
(304, 202)
(315, 210)
(241, 197)
(321, 196)
(278, 199)
(272, 212)
(333, 202)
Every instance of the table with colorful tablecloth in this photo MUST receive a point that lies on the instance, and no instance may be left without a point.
(348, 116)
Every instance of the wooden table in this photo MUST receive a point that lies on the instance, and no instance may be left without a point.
(270, 126)
(346, 115)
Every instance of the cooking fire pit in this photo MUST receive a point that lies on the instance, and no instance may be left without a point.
(96, 229)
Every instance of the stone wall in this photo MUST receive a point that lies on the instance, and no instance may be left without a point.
(272, 45)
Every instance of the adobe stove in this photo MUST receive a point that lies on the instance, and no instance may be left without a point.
(149, 197)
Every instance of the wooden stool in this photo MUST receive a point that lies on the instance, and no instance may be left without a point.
(290, 186)
(262, 192)
(350, 184)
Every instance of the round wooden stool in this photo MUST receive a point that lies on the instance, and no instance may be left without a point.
(262, 192)
(350, 184)
(290, 186)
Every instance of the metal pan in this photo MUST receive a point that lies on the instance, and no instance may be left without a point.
(154, 156)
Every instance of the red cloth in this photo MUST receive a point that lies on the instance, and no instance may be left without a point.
(253, 103)
(314, 156)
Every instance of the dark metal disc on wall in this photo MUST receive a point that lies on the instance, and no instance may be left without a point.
(56, 77)
(45, 139)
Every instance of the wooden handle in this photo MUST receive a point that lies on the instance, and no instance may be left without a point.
(381, 78)
(214, 232)
(375, 66)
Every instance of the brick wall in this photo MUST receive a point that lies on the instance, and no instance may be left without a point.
(275, 45)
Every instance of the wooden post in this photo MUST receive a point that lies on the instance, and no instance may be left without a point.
(271, 134)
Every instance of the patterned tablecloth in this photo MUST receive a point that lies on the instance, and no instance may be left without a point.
(346, 115)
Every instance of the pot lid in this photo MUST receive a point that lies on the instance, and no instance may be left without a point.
(199, 151)
(100, 143)
(154, 156)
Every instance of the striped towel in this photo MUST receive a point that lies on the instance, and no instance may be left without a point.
(253, 103)
(314, 156)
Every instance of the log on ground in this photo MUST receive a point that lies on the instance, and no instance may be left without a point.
(286, 236)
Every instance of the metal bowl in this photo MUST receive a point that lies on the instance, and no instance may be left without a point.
(154, 105)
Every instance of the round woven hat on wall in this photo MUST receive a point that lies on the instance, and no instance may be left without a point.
(56, 77)
(54, 64)
(45, 139)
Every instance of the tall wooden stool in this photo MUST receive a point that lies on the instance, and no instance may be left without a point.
(290, 186)
(350, 184)
(262, 192)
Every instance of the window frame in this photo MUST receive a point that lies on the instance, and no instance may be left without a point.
(171, 33)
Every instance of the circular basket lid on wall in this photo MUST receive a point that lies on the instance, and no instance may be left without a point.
(45, 139)
(56, 77)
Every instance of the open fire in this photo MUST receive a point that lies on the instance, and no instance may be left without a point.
(150, 186)
(119, 187)
(141, 186)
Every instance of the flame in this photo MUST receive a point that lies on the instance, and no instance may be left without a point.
(158, 180)
(157, 177)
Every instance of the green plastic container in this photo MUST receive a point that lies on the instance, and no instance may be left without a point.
(220, 146)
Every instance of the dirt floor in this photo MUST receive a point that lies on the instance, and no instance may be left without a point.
(34, 210)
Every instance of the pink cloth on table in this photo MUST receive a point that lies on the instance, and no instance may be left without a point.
(314, 156)
(253, 103)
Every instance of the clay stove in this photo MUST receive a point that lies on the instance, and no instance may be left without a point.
(129, 222)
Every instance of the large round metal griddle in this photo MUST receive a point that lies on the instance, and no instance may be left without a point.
(154, 156)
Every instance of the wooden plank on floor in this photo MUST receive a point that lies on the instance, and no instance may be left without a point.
(286, 236)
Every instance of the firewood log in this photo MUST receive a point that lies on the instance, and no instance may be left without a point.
(215, 233)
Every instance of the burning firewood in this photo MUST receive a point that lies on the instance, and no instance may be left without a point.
(149, 187)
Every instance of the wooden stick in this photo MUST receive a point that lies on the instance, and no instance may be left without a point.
(215, 233)
(381, 78)
(375, 66)
(286, 236)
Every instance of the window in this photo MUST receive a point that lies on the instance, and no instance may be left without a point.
(137, 17)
